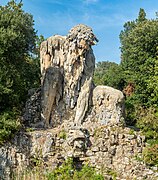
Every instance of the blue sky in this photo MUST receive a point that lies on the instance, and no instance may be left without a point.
(106, 17)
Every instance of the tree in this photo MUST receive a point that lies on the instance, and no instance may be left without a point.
(141, 16)
(138, 53)
(19, 69)
(17, 42)
(109, 74)
(139, 62)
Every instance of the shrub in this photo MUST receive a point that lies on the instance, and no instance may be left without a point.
(150, 155)
(129, 112)
(9, 124)
(68, 171)
(148, 122)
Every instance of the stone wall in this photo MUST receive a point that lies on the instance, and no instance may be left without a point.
(109, 148)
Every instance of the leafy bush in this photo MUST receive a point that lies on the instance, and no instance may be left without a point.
(9, 124)
(150, 155)
(148, 122)
(130, 114)
(68, 171)
(146, 119)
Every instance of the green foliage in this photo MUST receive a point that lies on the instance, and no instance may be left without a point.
(88, 173)
(109, 74)
(138, 158)
(19, 64)
(148, 122)
(130, 114)
(68, 171)
(142, 16)
(62, 134)
(139, 63)
(152, 84)
(37, 159)
(9, 124)
(139, 44)
(29, 129)
(18, 70)
(112, 173)
(150, 155)
(132, 132)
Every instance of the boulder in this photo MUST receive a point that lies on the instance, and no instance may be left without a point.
(108, 104)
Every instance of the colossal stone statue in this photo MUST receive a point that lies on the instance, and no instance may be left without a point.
(67, 89)
(67, 66)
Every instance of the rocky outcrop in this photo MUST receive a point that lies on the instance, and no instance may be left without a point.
(70, 117)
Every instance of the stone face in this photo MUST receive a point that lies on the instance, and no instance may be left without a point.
(109, 147)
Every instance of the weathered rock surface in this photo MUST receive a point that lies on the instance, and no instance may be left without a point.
(73, 57)
(32, 111)
(85, 122)
(67, 89)
(107, 148)
(52, 96)
(108, 105)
